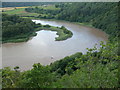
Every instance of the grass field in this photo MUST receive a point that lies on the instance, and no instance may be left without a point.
(15, 11)
(21, 10)
(11, 8)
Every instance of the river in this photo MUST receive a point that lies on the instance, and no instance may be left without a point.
(42, 47)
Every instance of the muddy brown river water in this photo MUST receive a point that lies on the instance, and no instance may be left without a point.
(42, 47)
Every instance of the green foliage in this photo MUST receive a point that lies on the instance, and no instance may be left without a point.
(47, 26)
(61, 65)
(0, 79)
(10, 78)
(100, 15)
(46, 12)
(38, 77)
(14, 27)
(90, 76)
(63, 34)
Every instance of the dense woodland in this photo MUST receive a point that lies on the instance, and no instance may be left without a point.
(98, 68)
(14, 27)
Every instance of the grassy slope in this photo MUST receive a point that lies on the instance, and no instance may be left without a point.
(20, 12)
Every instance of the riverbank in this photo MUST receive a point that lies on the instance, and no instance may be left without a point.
(62, 33)
(83, 24)
(20, 38)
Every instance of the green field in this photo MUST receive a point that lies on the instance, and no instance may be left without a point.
(20, 12)
(23, 13)
(15, 11)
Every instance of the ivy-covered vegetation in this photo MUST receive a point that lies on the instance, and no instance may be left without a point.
(98, 68)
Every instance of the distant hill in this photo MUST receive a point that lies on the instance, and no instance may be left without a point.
(21, 4)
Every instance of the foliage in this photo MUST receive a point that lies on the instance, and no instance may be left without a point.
(38, 77)
(47, 12)
(63, 34)
(10, 78)
(92, 76)
(101, 15)
(15, 28)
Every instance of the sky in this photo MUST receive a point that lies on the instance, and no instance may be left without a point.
(60, 0)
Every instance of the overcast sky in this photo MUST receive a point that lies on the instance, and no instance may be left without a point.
(59, 0)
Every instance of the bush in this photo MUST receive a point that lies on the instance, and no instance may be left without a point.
(47, 26)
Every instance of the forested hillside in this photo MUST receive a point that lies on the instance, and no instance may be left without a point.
(98, 68)
(101, 15)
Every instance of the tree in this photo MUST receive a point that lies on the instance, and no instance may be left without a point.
(38, 77)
